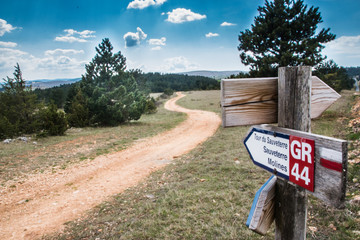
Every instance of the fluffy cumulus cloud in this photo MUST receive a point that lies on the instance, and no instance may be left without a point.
(56, 63)
(345, 50)
(210, 35)
(141, 4)
(58, 51)
(8, 44)
(5, 27)
(134, 39)
(75, 36)
(157, 43)
(227, 24)
(346, 45)
(180, 15)
(178, 64)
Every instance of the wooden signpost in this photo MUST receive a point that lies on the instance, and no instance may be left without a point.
(304, 162)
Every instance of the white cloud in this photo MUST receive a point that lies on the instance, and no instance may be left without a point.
(178, 64)
(345, 45)
(141, 4)
(8, 44)
(52, 65)
(11, 52)
(134, 39)
(210, 35)
(181, 15)
(344, 50)
(75, 36)
(158, 42)
(70, 39)
(157, 48)
(227, 24)
(63, 52)
(5, 27)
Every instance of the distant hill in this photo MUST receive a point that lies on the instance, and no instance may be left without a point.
(49, 83)
(211, 74)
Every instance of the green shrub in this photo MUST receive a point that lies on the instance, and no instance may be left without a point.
(78, 111)
(168, 91)
(52, 121)
(6, 128)
(150, 106)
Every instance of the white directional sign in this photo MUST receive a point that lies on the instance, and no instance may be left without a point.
(288, 156)
(317, 163)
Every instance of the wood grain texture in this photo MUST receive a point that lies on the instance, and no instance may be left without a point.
(294, 98)
(236, 93)
(247, 90)
(264, 209)
(294, 89)
(322, 96)
(248, 114)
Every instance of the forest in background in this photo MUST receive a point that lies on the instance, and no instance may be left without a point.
(150, 82)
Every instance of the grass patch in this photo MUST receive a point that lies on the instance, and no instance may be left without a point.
(204, 100)
(18, 158)
(207, 194)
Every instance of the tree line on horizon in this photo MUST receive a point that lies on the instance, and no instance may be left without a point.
(149, 82)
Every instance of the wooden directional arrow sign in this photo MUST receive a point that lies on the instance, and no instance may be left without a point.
(316, 163)
(251, 101)
(287, 156)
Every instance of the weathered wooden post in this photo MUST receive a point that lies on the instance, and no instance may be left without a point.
(303, 162)
(294, 99)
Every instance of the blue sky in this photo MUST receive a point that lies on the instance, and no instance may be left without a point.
(55, 39)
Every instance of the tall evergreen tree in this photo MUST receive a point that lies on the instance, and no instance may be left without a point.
(77, 109)
(109, 95)
(283, 34)
(17, 106)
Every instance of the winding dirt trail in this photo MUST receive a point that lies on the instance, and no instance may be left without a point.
(45, 202)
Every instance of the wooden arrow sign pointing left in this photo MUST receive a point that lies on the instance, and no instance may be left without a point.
(251, 101)
(282, 151)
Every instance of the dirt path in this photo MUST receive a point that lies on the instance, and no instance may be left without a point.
(45, 201)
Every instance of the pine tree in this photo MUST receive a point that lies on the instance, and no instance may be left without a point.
(283, 34)
(78, 110)
(334, 76)
(18, 105)
(110, 95)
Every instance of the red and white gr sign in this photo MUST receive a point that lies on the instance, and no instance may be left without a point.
(302, 162)
(291, 157)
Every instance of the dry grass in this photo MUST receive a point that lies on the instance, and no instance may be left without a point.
(207, 194)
